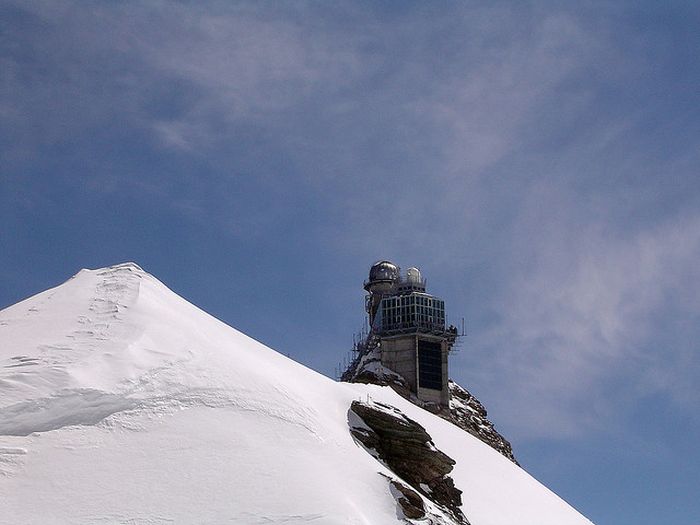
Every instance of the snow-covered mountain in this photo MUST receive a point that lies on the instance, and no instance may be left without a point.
(120, 402)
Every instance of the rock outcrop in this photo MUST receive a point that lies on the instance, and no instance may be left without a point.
(407, 449)
(465, 410)
(469, 414)
(410, 501)
(368, 369)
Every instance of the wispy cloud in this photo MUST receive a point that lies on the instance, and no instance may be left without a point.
(578, 335)
(515, 149)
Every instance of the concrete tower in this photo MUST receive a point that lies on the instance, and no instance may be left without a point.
(407, 326)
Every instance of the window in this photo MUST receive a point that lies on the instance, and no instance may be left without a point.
(429, 365)
(412, 311)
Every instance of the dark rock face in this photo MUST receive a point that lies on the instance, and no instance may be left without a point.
(465, 410)
(368, 369)
(411, 503)
(469, 414)
(407, 449)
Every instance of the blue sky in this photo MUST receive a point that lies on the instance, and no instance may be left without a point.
(539, 162)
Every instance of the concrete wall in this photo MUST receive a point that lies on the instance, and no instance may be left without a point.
(445, 374)
(433, 396)
(400, 354)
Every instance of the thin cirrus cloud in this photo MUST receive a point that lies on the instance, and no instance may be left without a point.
(505, 142)
(590, 326)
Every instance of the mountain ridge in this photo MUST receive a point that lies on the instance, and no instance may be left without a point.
(123, 401)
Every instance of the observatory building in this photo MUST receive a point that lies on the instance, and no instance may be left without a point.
(407, 327)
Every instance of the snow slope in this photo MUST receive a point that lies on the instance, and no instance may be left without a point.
(120, 402)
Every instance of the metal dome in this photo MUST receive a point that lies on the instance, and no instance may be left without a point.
(413, 275)
(383, 271)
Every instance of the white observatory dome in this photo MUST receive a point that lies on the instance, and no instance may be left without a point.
(413, 275)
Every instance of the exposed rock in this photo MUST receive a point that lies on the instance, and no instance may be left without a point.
(411, 503)
(465, 410)
(368, 369)
(407, 449)
(469, 414)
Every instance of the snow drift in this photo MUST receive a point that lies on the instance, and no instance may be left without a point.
(122, 402)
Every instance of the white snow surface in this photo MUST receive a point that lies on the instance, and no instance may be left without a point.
(120, 402)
